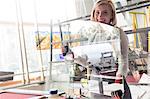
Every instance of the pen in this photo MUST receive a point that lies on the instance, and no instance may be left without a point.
(142, 95)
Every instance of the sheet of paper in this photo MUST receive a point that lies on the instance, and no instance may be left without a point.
(140, 91)
(93, 51)
(108, 88)
(145, 79)
(25, 91)
(137, 91)
(100, 39)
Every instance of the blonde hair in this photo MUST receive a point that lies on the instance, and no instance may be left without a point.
(108, 2)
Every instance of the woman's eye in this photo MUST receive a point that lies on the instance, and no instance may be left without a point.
(105, 12)
(97, 13)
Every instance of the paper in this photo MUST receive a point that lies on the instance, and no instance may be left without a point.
(145, 79)
(93, 51)
(108, 88)
(100, 40)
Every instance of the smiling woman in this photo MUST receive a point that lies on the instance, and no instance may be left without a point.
(26, 28)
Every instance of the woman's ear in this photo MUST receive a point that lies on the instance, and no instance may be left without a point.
(111, 21)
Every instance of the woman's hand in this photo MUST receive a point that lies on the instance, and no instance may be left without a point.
(65, 49)
(82, 60)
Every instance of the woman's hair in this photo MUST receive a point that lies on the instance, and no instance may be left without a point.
(107, 2)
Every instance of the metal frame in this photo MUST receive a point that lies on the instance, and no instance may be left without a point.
(138, 5)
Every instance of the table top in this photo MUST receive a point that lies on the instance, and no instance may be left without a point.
(74, 88)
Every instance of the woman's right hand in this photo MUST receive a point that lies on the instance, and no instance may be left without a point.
(65, 49)
(82, 60)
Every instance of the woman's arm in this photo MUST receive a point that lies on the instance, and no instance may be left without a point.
(123, 69)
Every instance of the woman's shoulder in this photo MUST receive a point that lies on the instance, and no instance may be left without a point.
(119, 28)
(122, 33)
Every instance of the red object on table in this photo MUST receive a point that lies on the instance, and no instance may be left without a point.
(8, 95)
(118, 81)
(129, 79)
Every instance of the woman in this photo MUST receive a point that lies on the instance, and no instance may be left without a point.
(104, 12)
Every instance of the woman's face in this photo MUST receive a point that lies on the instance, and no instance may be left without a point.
(103, 14)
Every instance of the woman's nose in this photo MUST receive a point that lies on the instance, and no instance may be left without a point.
(100, 14)
(101, 19)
